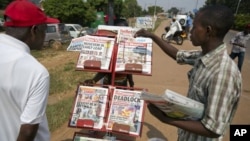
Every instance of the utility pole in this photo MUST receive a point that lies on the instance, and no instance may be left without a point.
(155, 8)
(237, 7)
(196, 6)
(110, 12)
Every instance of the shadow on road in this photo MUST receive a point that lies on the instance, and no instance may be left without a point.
(154, 132)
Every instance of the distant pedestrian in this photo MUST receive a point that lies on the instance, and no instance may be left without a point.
(189, 24)
(239, 42)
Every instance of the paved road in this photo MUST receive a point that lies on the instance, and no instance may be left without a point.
(166, 74)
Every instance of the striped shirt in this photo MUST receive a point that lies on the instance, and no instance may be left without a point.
(214, 81)
(242, 39)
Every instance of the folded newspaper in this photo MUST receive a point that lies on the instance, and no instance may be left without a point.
(175, 105)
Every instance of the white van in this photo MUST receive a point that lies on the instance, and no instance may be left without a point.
(56, 32)
(75, 30)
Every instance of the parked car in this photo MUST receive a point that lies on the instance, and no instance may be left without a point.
(1, 21)
(90, 31)
(56, 32)
(1, 24)
(75, 30)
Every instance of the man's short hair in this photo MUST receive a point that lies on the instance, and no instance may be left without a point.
(219, 17)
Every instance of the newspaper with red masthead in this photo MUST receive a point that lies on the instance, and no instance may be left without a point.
(124, 33)
(126, 112)
(175, 105)
(89, 108)
(93, 49)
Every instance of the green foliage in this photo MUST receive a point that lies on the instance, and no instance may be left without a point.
(241, 14)
(173, 10)
(154, 10)
(243, 5)
(59, 113)
(69, 11)
(241, 20)
(130, 8)
(4, 3)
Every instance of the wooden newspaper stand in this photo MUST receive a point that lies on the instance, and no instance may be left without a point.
(117, 129)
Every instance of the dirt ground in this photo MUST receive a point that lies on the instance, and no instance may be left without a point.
(166, 74)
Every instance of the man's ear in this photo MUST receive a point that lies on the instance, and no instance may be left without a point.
(210, 31)
(33, 31)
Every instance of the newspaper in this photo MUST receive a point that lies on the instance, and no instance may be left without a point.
(145, 22)
(90, 104)
(175, 105)
(137, 54)
(93, 48)
(126, 109)
(80, 136)
(126, 34)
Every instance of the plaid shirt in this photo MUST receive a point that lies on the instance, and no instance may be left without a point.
(214, 81)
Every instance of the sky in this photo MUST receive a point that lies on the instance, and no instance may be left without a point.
(184, 5)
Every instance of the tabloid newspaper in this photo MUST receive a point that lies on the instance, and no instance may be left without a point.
(123, 32)
(90, 104)
(93, 48)
(134, 56)
(126, 34)
(175, 105)
(126, 109)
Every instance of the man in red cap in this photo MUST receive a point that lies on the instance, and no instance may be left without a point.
(24, 81)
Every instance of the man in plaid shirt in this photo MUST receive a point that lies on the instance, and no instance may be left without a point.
(214, 80)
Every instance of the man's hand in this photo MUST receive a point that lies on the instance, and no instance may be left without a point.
(238, 44)
(156, 112)
(143, 33)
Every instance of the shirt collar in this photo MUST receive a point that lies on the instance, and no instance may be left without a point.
(209, 58)
(14, 43)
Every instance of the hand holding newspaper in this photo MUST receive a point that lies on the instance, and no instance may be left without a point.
(175, 105)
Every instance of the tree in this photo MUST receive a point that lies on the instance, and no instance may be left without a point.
(154, 10)
(173, 11)
(243, 7)
(4, 3)
(68, 11)
(130, 8)
(241, 10)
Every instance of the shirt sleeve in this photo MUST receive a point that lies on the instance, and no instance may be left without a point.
(35, 108)
(187, 57)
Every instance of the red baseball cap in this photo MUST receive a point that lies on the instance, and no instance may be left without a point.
(23, 13)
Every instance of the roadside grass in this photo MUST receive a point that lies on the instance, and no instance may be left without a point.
(63, 79)
(59, 113)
